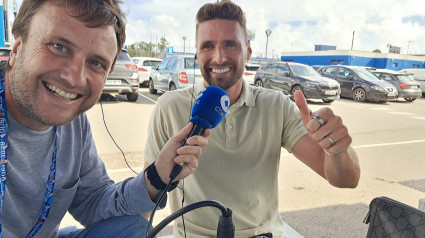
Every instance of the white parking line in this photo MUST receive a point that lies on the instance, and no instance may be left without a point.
(403, 113)
(147, 98)
(381, 109)
(124, 170)
(389, 144)
(420, 118)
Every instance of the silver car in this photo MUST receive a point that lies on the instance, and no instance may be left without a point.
(407, 87)
(174, 72)
(123, 79)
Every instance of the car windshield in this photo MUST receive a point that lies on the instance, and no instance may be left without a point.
(152, 63)
(189, 63)
(404, 78)
(366, 75)
(304, 70)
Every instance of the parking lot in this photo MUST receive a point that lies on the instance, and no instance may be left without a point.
(388, 137)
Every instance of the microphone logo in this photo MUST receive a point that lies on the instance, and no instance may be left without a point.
(224, 102)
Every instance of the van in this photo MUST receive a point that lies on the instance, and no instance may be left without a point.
(418, 75)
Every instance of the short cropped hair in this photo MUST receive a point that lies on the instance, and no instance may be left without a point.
(95, 13)
(226, 10)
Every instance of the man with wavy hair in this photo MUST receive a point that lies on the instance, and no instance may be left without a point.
(62, 54)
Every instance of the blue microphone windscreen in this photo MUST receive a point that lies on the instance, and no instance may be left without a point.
(210, 107)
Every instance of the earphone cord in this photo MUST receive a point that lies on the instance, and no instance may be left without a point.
(122, 152)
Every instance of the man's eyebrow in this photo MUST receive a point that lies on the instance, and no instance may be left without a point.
(64, 40)
(207, 42)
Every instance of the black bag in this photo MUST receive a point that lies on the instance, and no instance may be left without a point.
(390, 218)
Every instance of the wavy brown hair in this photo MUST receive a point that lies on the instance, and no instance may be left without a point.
(225, 10)
(95, 13)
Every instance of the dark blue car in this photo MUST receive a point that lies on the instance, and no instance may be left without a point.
(289, 77)
(360, 84)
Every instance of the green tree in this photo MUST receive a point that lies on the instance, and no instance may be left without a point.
(163, 43)
(376, 51)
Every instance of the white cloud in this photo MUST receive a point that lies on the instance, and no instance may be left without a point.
(376, 23)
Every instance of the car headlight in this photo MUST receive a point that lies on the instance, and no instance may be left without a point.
(313, 85)
(378, 88)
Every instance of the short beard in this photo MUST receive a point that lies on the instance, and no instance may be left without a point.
(222, 82)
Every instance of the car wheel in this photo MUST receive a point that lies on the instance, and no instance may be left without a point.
(132, 97)
(410, 99)
(295, 89)
(259, 83)
(328, 100)
(359, 95)
(152, 89)
(172, 87)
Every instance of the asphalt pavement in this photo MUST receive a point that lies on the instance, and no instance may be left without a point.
(388, 137)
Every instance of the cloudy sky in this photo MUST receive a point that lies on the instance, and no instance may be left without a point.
(296, 25)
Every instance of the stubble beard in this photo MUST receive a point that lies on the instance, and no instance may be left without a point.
(223, 83)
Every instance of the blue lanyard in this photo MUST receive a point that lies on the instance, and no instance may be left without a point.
(50, 184)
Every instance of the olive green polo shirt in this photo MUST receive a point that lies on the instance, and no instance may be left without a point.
(239, 167)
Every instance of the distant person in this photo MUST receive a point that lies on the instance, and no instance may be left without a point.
(62, 54)
(240, 165)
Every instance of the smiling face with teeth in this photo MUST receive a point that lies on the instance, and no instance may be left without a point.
(222, 51)
(59, 71)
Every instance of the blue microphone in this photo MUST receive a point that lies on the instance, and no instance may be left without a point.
(209, 109)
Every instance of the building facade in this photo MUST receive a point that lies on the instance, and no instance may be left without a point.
(356, 58)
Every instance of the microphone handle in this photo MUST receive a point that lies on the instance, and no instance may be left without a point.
(196, 131)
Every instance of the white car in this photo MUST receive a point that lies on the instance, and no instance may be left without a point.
(249, 73)
(144, 68)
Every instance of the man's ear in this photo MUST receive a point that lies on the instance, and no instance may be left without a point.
(15, 49)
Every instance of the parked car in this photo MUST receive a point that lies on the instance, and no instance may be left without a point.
(4, 54)
(360, 84)
(407, 87)
(174, 72)
(250, 70)
(144, 68)
(123, 79)
(289, 77)
(418, 75)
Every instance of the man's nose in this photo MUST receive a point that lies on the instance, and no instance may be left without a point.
(219, 55)
(74, 72)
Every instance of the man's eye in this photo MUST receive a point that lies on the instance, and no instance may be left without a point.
(231, 45)
(58, 46)
(96, 63)
(208, 46)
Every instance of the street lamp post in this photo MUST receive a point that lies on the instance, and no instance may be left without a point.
(408, 44)
(268, 32)
(184, 44)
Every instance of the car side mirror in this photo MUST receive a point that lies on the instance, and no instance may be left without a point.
(350, 77)
(286, 74)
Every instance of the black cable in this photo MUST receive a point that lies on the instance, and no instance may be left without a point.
(122, 152)
(161, 196)
(183, 223)
(226, 213)
(177, 168)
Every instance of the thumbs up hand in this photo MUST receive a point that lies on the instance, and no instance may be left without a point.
(324, 126)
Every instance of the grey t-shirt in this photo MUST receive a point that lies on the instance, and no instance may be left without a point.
(82, 184)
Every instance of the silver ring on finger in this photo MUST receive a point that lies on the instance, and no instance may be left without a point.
(319, 119)
(331, 141)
